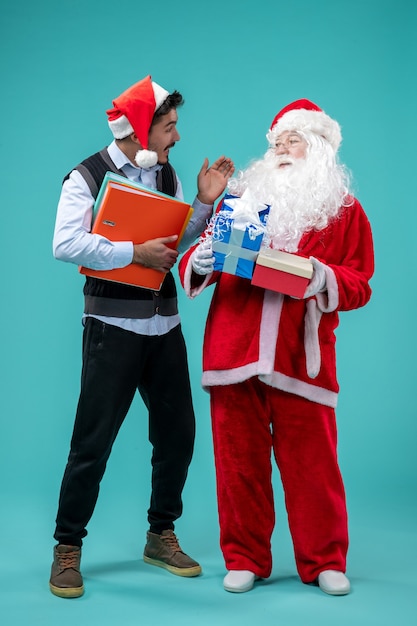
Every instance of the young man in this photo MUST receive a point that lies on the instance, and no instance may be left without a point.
(132, 336)
(269, 359)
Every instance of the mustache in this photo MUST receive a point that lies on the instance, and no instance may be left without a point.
(283, 158)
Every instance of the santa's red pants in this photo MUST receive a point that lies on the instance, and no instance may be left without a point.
(249, 420)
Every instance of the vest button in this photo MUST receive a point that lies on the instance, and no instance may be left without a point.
(157, 309)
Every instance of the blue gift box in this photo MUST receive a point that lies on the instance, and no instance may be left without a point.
(235, 250)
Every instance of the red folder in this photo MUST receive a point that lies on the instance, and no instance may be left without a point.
(131, 213)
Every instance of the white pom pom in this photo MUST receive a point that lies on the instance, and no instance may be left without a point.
(146, 158)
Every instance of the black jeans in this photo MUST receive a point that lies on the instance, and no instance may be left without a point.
(116, 362)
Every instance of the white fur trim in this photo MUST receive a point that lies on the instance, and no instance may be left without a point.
(311, 338)
(192, 292)
(268, 332)
(216, 378)
(160, 94)
(121, 127)
(304, 120)
(301, 388)
(146, 158)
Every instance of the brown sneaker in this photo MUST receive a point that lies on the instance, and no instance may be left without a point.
(165, 551)
(66, 580)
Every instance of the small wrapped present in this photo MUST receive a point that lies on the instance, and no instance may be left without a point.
(237, 234)
(282, 271)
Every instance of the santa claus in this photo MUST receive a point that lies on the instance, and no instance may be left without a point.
(269, 359)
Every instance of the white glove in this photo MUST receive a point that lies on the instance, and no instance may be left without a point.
(318, 280)
(202, 260)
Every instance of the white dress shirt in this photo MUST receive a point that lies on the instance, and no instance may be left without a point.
(74, 243)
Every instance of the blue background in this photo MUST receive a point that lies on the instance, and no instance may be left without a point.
(237, 64)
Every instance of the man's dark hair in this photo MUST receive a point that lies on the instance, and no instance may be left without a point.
(173, 101)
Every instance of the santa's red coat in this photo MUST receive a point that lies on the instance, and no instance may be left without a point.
(287, 343)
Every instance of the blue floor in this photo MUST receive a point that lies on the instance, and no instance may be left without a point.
(123, 591)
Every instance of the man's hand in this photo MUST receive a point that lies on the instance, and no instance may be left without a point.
(156, 254)
(212, 181)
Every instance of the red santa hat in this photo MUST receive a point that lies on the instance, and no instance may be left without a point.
(133, 112)
(304, 115)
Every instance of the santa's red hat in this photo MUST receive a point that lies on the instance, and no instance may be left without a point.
(133, 112)
(304, 115)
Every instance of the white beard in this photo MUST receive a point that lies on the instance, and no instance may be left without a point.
(303, 196)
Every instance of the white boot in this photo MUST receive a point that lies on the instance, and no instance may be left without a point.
(239, 581)
(334, 583)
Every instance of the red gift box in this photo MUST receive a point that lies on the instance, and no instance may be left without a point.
(282, 271)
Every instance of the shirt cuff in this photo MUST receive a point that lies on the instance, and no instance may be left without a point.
(200, 206)
(122, 253)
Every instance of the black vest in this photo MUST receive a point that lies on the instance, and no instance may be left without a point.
(103, 297)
